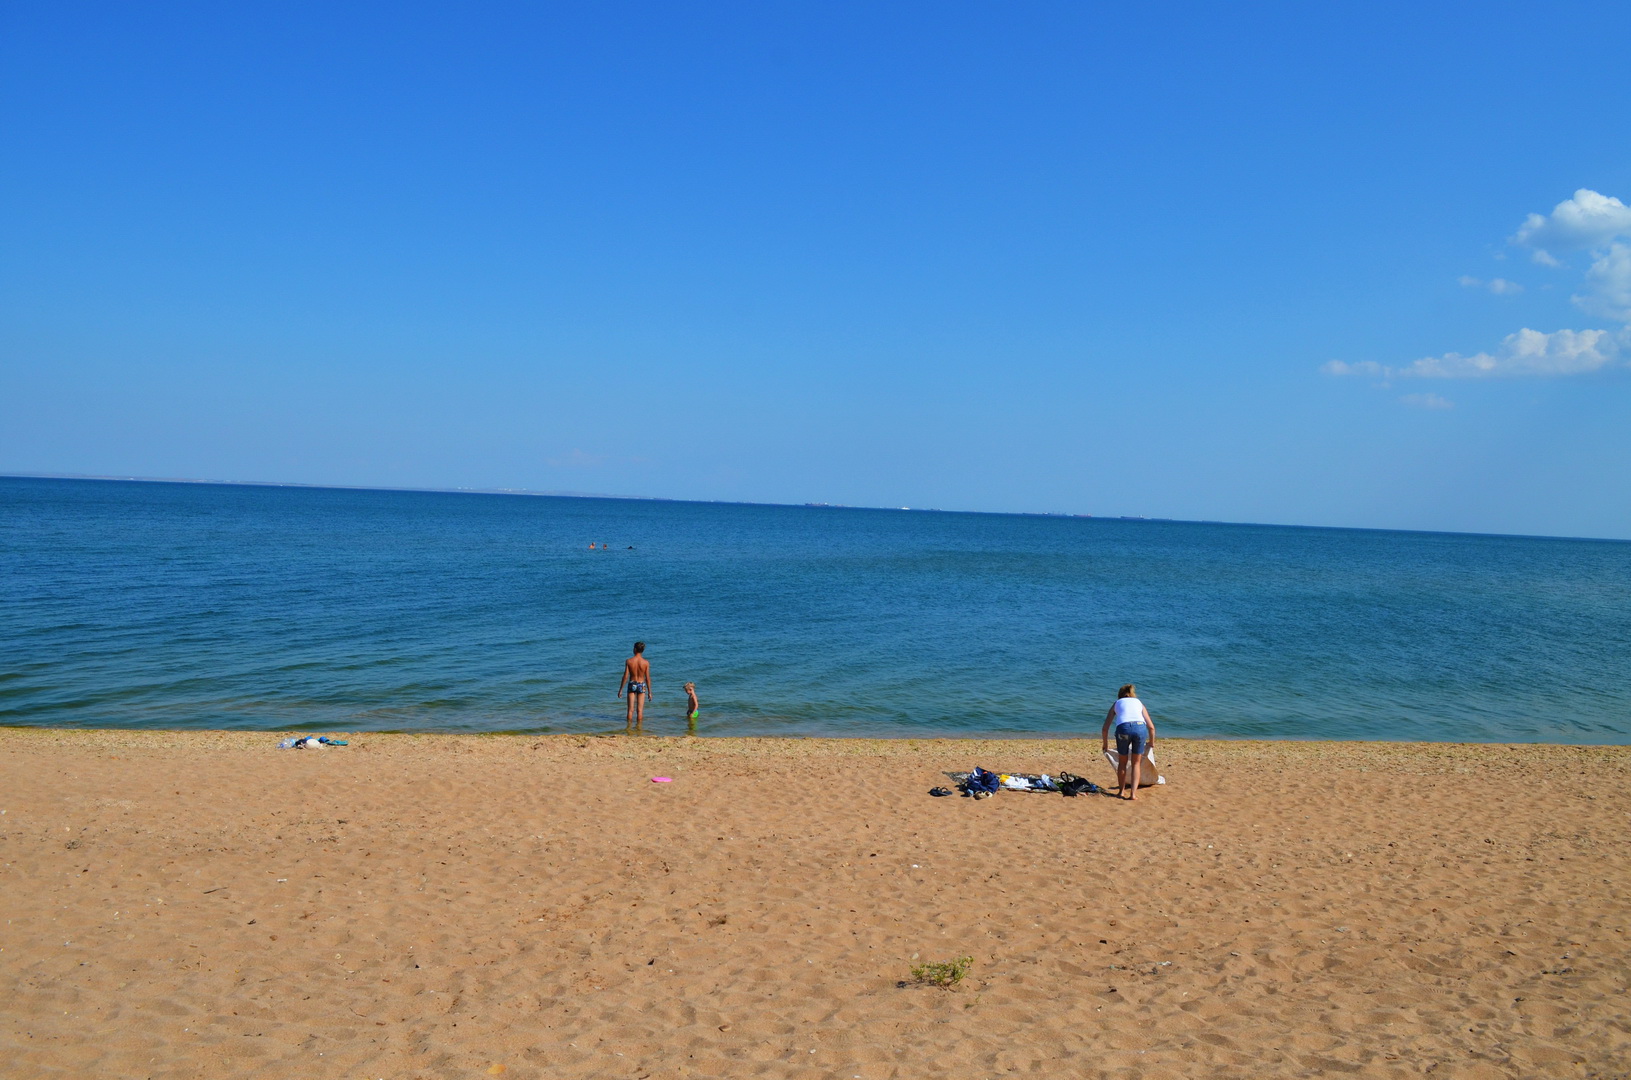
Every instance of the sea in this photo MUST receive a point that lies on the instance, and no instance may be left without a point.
(275, 608)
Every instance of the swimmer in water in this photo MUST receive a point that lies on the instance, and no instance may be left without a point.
(691, 707)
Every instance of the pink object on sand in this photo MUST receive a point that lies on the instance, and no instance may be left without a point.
(662, 779)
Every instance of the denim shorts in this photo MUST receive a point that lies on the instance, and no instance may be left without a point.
(1131, 738)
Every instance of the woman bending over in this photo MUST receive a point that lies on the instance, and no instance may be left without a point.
(1135, 733)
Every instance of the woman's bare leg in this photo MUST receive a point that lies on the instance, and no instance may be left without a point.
(1121, 774)
(1138, 764)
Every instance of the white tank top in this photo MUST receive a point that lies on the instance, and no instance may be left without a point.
(1129, 710)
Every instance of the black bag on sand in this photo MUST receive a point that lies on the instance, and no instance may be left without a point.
(1071, 785)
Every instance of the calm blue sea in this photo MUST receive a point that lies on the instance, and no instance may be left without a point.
(218, 606)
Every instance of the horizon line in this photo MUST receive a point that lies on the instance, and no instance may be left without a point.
(560, 494)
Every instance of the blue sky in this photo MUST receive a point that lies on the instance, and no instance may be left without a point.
(1267, 262)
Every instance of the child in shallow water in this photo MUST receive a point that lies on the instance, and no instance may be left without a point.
(690, 708)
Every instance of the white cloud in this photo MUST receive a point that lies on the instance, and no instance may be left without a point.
(1587, 220)
(1528, 352)
(1427, 401)
(1498, 286)
(1608, 284)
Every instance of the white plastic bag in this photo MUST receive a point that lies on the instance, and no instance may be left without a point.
(1145, 773)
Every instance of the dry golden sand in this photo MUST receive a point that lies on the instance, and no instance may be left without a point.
(204, 905)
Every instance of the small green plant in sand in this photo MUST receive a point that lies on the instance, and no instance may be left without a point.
(947, 974)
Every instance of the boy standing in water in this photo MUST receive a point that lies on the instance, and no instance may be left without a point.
(690, 708)
(637, 675)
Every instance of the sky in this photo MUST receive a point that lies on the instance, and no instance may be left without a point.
(1326, 264)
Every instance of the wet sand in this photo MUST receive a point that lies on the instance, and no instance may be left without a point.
(204, 905)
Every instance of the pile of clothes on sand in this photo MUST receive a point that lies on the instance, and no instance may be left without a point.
(981, 784)
(309, 742)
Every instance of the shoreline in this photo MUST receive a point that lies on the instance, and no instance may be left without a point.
(703, 737)
(422, 906)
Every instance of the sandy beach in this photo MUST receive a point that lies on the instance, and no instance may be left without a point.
(205, 905)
